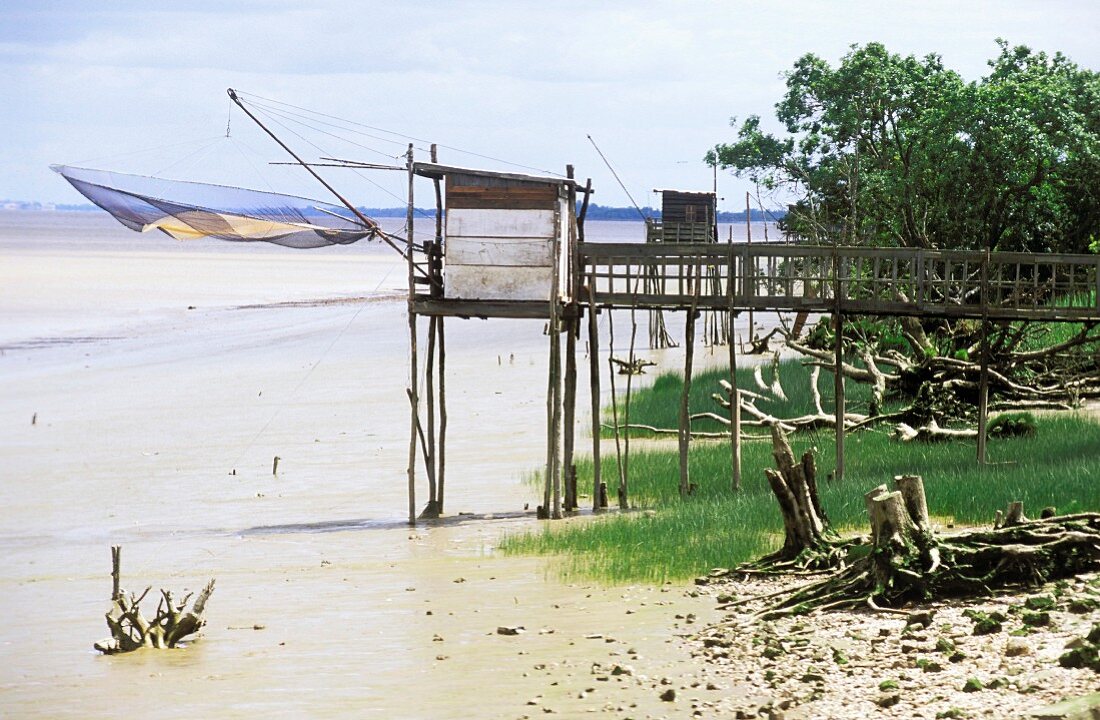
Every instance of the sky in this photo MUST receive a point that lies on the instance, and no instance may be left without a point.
(141, 86)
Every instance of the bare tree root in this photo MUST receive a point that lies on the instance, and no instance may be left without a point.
(130, 630)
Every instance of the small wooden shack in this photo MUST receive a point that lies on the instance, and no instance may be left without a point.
(508, 244)
(685, 217)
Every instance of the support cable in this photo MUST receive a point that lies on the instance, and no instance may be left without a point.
(617, 179)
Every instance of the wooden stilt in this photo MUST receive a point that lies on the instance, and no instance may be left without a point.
(623, 500)
(551, 450)
(748, 274)
(441, 458)
(983, 378)
(838, 389)
(735, 394)
(615, 406)
(429, 458)
(413, 360)
(983, 395)
(594, 388)
(570, 410)
(685, 421)
(555, 425)
(552, 490)
(735, 414)
(437, 290)
(689, 357)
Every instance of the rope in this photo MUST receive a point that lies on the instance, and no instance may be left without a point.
(323, 151)
(312, 367)
(148, 149)
(401, 135)
(617, 179)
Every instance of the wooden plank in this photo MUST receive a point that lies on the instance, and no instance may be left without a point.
(480, 282)
(424, 305)
(499, 252)
(594, 389)
(435, 170)
(498, 223)
(519, 198)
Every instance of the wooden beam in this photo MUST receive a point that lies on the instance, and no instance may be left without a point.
(838, 374)
(483, 309)
(594, 389)
(413, 361)
(570, 411)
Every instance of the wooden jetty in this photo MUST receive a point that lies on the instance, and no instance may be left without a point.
(509, 245)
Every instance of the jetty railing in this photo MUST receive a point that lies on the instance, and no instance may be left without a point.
(879, 281)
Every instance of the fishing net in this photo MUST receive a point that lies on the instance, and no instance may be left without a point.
(190, 210)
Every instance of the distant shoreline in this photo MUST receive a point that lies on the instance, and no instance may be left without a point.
(595, 212)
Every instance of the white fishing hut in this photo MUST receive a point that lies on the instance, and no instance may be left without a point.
(505, 246)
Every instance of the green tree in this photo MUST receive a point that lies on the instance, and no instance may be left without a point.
(892, 150)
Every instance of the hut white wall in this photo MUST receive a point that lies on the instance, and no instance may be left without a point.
(500, 254)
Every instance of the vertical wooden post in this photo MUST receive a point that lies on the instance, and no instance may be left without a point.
(594, 386)
(572, 328)
(983, 396)
(413, 360)
(838, 376)
(689, 357)
(552, 493)
(735, 416)
(570, 411)
(441, 449)
(748, 241)
(685, 419)
(735, 394)
(838, 389)
(441, 457)
(983, 380)
(431, 510)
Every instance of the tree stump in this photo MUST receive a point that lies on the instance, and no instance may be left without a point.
(806, 542)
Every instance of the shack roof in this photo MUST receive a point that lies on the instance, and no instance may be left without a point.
(435, 170)
(684, 192)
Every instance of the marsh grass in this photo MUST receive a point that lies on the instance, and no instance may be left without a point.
(715, 527)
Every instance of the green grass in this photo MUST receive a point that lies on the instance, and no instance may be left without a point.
(1060, 466)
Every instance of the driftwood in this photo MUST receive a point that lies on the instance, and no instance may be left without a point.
(908, 563)
(944, 387)
(931, 432)
(636, 366)
(130, 630)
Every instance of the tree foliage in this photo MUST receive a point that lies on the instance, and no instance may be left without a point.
(892, 150)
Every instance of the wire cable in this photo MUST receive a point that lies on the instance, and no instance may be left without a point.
(617, 179)
(403, 135)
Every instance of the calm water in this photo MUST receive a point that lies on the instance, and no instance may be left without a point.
(99, 231)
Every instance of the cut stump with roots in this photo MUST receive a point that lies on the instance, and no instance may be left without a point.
(909, 563)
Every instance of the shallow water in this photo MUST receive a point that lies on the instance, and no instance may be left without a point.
(144, 392)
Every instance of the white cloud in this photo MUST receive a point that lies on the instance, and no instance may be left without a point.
(654, 82)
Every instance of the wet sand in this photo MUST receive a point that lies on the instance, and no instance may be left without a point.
(162, 383)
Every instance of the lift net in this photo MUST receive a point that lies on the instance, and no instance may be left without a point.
(190, 210)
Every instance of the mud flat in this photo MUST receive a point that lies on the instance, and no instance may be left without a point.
(144, 395)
